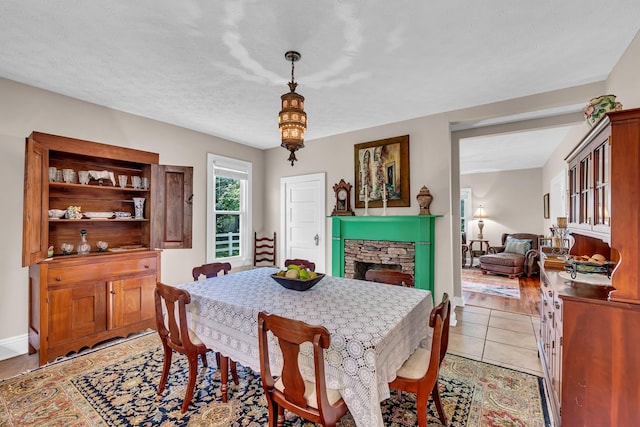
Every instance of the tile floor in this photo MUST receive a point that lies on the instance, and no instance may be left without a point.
(497, 337)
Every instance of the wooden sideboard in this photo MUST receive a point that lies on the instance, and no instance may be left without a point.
(81, 301)
(588, 350)
(589, 333)
(78, 300)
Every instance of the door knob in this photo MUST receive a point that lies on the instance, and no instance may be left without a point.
(317, 239)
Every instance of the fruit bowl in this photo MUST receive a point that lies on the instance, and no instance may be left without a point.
(297, 284)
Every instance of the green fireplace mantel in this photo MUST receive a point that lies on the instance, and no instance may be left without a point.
(419, 229)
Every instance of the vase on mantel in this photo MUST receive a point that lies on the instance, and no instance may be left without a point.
(424, 198)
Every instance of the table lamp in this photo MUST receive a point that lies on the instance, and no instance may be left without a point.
(562, 232)
(480, 214)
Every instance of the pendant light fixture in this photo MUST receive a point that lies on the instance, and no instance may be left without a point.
(292, 119)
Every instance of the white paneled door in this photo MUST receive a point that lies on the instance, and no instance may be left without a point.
(303, 219)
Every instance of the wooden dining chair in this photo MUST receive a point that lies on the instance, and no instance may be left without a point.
(311, 266)
(391, 277)
(264, 249)
(210, 270)
(312, 401)
(176, 335)
(419, 373)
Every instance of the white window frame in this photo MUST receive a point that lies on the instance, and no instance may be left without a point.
(465, 194)
(242, 170)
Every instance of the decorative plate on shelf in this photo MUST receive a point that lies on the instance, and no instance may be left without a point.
(297, 284)
(98, 214)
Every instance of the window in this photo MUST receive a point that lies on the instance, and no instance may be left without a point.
(228, 210)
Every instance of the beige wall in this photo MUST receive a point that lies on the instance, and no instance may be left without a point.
(24, 109)
(512, 199)
(623, 80)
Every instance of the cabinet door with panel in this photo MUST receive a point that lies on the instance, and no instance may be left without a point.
(172, 206)
(35, 204)
(76, 310)
(129, 300)
(589, 183)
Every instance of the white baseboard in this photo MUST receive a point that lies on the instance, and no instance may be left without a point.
(14, 346)
(456, 302)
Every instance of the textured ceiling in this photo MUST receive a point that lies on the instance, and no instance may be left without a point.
(522, 150)
(218, 66)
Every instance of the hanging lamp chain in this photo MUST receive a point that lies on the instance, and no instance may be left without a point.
(292, 68)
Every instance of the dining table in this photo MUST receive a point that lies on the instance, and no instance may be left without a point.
(374, 328)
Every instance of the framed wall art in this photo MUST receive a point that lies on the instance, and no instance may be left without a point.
(545, 205)
(382, 171)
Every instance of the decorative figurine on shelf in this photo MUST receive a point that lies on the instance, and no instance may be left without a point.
(74, 212)
(424, 198)
(343, 199)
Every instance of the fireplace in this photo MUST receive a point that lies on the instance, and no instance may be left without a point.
(399, 242)
(360, 269)
(362, 255)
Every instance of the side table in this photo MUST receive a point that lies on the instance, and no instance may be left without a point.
(484, 249)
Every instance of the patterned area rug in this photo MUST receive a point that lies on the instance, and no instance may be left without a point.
(116, 386)
(474, 281)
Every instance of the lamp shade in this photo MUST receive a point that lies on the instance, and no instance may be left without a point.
(292, 120)
(480, 213)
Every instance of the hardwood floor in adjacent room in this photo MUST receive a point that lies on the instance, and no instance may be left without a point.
(528, 303)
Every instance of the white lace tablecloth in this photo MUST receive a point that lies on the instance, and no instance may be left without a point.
(374, 328)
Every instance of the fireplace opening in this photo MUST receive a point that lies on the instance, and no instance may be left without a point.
(377, 254)
(360, 268)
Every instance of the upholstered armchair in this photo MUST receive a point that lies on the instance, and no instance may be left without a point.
(518, 255)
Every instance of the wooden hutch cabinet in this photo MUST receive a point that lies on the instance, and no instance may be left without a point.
(589, 333)
(80, 300)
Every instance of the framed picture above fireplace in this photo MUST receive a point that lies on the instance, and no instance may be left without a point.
(382, 171)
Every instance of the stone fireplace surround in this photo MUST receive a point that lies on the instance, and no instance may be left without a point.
(362, 255)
